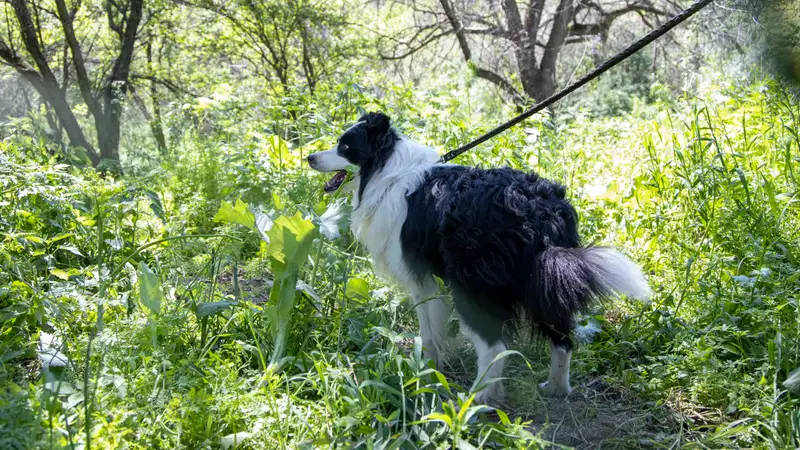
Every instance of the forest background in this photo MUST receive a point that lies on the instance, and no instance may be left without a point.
(171, 275)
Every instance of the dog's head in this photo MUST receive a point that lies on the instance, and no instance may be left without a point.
(367, 145)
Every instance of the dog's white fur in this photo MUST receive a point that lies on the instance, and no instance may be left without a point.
(558, 381)
(377, 219)
(329, 161)
(612, 262)
(379, 215)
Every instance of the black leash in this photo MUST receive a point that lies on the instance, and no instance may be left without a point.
(618, 58)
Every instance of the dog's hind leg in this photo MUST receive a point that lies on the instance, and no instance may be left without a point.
(486, 333)
(488, 369)
(557, 383)
(433, 313)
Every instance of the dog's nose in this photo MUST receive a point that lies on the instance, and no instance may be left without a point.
(311, 158)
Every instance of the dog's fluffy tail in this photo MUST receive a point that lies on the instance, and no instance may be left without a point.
(570, 278)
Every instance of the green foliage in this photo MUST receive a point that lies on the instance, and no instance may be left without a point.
(149, 289)
(619, 90)
(176, 292)
(238, 214)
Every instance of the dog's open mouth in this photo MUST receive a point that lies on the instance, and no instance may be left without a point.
(333, 184)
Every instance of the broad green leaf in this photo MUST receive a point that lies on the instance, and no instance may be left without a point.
(85, 221)
(303, 286)
(443, 380)
(59, 273)
(32, 238)
(357, 289)
(285, 235)
(60, 387)
(239, 214)
(116, 244)
(320, 208)
(276, 199)
(149, 289)
(60, 237)
(381, 386)
(278, 151)
(290, 244)
(465, 407)
(71, 249)
(503, 417)
(212, 308)
(263, 223)
(465, 445)
(156, 206)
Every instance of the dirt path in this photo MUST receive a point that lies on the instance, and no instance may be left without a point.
(597, 416)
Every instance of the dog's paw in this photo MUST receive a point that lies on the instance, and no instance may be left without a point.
(492, 395)
(555, 390)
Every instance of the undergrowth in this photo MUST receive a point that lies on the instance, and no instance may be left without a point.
(216, 298)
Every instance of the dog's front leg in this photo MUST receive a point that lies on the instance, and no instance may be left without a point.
(433, 314)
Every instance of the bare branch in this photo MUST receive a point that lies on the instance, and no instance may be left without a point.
(499, 81)
(486, 74)
(169, 85)
(13, 60)
(533, 17)
(513, 21)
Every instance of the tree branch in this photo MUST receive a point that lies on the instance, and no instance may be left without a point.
(486, 74)
(77, 59)
(123, 63)
(458, 28)
(172, 87)
(514, 22)
(607, 18)
(20, 65)
(44, 81)
(499, 81)
(533, 17)
(417, 48)
(31, 40)
(558, 33)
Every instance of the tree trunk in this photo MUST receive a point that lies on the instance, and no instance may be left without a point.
(52, 95)
(44, 81)
(544, 84)
(155, 123)
(109, 132)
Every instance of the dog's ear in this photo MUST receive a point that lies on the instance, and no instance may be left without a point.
(377, 123)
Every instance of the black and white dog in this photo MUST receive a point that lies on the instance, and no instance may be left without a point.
(504, 241)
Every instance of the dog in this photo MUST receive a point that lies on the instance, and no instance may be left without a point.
(504, 241)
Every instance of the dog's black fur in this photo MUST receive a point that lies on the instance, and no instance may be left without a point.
(492, 235)
(368, 146)
(504, 241)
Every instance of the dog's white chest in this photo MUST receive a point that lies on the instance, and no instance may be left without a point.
(378, 228)
(381, 210)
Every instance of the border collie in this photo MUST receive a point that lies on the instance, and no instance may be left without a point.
(505, 242)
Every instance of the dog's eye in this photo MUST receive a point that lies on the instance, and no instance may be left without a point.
(343, 146)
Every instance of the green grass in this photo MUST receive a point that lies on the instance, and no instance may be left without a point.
(168, 323)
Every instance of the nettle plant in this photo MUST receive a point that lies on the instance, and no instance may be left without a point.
(286, 241)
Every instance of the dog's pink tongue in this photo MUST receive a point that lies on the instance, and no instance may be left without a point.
(336, 181)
